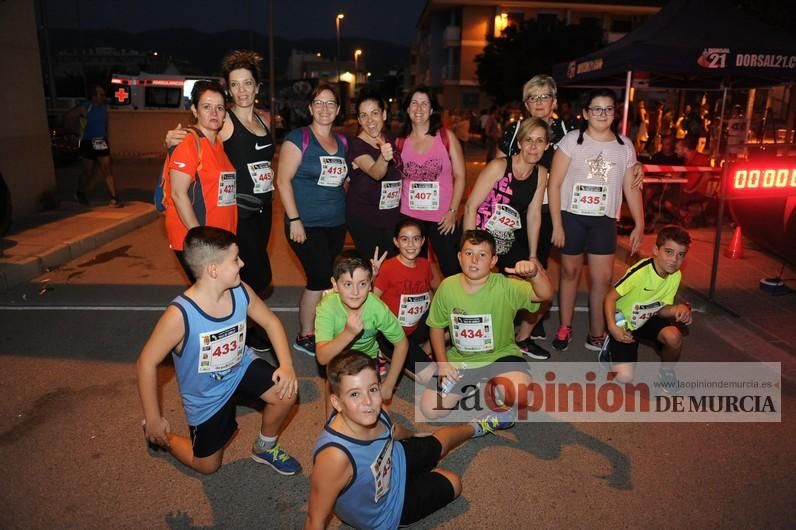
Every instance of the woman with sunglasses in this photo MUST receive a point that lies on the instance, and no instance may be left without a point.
(374, 189)
(592, 168)
(312, 169)
(433, 175)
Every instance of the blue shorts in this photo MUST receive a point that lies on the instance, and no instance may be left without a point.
(589, 234)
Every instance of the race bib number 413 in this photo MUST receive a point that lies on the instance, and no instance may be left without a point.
(334, 170)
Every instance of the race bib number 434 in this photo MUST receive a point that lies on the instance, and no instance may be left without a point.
(472, 333)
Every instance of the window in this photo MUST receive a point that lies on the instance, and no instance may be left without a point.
(163, 97)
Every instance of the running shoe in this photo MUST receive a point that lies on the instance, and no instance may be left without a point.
(258, 343)
(277, 458)
(305, 344)
(538, 332)
(533, 350)
(604, 357)
(490, 423)
(563, 338)
(595, 343)
(668, 381)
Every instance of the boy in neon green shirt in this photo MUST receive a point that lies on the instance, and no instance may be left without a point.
(478, 307)
(350, 316)
(645, 298)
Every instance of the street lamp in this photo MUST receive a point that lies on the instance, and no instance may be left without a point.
(357, 53)
(337, 21)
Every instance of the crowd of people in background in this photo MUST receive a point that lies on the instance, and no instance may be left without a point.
(446, 287)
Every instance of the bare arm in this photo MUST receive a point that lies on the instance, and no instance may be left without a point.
(331, 472)
(284, 375)
(168, 334)
(634, 203)
(533, 220)
(178, 188)
(397, 362)
(557, 173)
(448, 222)
(175, 136)
(289, 161)
(609, 308)
(376, 169)
(483, 185)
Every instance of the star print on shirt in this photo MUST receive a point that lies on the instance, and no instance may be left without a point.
(599, 167)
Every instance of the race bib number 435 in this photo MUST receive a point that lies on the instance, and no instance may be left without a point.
(589, 199)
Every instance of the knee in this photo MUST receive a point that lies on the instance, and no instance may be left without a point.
(209, 465)
(624, 373)
(671, 338)
(569, 273)
(456, 483)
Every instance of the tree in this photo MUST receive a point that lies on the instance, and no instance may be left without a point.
(509, 60)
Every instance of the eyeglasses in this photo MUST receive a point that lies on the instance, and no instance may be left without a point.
(541, 98)
(319, 103)
(602, 111)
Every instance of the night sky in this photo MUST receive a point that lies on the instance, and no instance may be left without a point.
(389, 21)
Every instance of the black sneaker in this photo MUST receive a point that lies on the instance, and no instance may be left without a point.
(538, 332)
(258, 343)
(305, 344)
(533, 350)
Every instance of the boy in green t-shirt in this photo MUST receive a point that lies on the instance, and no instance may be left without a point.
(641, 306)
(478, 307)
(350, 316)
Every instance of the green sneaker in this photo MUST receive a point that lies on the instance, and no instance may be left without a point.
(277, 458)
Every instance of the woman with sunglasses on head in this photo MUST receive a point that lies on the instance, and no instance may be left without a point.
(312, 169)
(250, 146)
(433, 175)
(374, 189)
(592, 168)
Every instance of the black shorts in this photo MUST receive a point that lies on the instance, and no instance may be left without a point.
(622, 352)
(589, 234)
(317, 253)
(426, 491)
(472, 376)
(209, 437)
(87, 149)
(416, 354)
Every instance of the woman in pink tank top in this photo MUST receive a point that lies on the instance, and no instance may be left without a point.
(432, 165)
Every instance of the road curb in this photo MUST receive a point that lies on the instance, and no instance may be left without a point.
(15, 270)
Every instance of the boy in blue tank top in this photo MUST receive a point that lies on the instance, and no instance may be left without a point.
(205, 330)
(374, 473)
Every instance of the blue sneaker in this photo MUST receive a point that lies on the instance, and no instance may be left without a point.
(497, 421)
(604, 357)
(277, 458)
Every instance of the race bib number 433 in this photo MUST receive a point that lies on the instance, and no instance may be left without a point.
(221, 349)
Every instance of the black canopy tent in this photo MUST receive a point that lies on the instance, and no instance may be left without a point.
(691, 44)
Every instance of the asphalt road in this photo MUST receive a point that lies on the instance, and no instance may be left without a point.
(74, 457)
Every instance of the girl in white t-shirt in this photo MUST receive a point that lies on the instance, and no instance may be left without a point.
(591, 169)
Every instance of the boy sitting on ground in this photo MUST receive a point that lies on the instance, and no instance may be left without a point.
(479, 306)
(350, 316)
(205, 330)
(371, 472)
(645, 298)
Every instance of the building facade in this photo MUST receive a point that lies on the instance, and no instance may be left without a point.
(451, 33)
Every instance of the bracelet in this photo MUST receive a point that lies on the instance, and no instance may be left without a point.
(291, 219)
